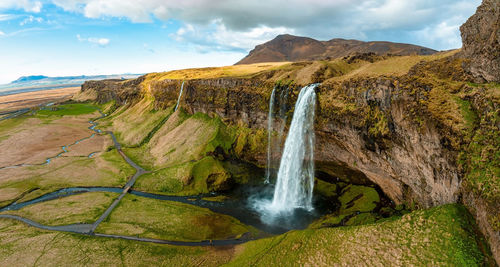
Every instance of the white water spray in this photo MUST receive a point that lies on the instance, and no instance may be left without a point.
(269, 135)
(180, 95)
(294, 187)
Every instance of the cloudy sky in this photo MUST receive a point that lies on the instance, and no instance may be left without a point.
(75, 37)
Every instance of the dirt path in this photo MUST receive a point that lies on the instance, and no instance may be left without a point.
(138, 172)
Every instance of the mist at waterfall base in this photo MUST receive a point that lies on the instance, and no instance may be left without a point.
(292, 195)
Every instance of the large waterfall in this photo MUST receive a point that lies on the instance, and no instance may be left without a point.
(294, 187)
(179, 98)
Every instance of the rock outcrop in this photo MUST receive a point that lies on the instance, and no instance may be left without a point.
(481, 42)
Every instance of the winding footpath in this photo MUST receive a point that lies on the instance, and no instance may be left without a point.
(89, 229)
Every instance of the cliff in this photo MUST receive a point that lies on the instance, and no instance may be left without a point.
(481, 42)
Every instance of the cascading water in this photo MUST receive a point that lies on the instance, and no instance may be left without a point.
(274, 143)
(269, 136)
(179, 98)
(283, 117)
(294, 187)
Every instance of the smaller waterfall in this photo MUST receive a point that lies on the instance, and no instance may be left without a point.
(180, 95)
(283, 118)
(270, 119)
(294, 187)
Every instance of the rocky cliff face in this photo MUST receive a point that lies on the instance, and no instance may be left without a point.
(369, 131)
(481, 41)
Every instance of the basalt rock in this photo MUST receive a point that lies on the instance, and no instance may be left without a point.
(120, 91)
(481, 42)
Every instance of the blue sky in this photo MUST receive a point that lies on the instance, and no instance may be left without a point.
(75, 37)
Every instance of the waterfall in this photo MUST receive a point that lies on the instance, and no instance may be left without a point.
(180, 95)
(283, 118)
(274, 143)
(269, 135)
(294, 187)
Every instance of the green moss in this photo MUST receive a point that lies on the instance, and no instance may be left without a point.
(471, 118)
(377, 122)
(189, 178)
(209, 175)
(357, 198)
(324, 188)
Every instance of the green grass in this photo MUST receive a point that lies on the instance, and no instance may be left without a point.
(169, 220)
(441, 236)
(21, 245)
(68, 109)
(189, 178)
(80, 208)
(165, 181)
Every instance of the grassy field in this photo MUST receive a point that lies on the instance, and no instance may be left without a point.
(441, 236)
(68, 110)
(21, 245)
(33, 139)
(139, 216)
(80, 208)
(26, 183)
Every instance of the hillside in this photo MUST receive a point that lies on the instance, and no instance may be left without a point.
(295, 48)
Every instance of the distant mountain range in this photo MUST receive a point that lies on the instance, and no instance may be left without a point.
(295, 48)
(40, 82)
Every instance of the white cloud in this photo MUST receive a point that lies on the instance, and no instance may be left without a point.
(31, 19)
(2, 33)
(27, 5)
(392, 20)
(7, 17)
(441, 35)
(216, 36)
(102, 42)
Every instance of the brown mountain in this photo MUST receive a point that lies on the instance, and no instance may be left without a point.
(295, 48)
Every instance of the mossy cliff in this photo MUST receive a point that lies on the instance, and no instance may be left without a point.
(426, 137)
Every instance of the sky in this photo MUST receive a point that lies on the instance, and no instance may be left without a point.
(90, 37)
